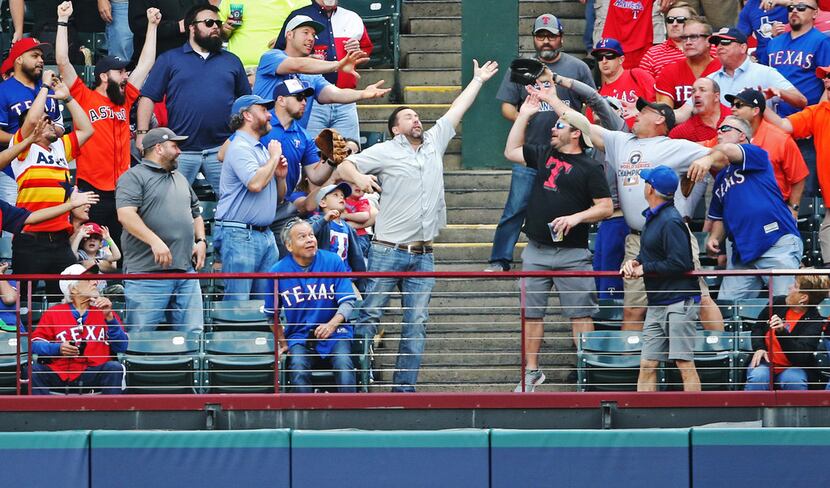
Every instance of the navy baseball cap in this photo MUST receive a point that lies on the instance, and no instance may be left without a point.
(245, 101)
(661, 178)
(293, 86)
(730, 33)
(663, 109)
(108, 63)
(608, 45)
(751, 97)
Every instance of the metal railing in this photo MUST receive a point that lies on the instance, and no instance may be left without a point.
(475, 341)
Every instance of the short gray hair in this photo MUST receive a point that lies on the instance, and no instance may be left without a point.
(741, 124)
(285, 233)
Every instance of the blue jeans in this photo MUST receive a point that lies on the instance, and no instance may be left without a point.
(108, 377)
(415, 295)
(119, 35)
(246, 251)
(510, 224)
(148, 300)
(757, 379)
(588, 35)
(784, 254)
(300, 364)
(609, 252)
(341, 117)
(191, 162)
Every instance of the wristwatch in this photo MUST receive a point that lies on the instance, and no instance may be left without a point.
(201, 239)
(794, 207)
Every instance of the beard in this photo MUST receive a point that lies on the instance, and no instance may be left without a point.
(208, 43)
(115, 94)
(548, 54)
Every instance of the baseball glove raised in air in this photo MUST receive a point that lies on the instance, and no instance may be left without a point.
(332, 146)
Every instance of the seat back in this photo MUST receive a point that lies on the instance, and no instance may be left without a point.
(238, 315)
(749, 309)
(608, 360)
(238, 362)
(8, 361)
(162, 362)
(713, 357)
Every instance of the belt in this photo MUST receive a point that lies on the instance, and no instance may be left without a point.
(410, 248)
(240, 225)
(636, 232)
(48, 236)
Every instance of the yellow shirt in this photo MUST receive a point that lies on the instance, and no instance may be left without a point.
(261, 23)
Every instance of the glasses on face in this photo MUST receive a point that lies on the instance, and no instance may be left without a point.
(726, 128)
(545, 37)
(560, 125)
(209, 23)
(678, 20)
(300, 97)
(801, 7)
(692, 37)
(723, 42)
(739, 104)
(606, 56)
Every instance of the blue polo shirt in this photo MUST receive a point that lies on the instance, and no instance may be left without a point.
(245, 155)
(267, 79)
(200, 92)
(297, 147)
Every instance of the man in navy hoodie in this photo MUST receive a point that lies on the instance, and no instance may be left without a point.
(665, 256)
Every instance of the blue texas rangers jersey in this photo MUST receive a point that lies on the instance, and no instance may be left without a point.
(747, 199)
(309, 302)
(755, 20)
(797, 59)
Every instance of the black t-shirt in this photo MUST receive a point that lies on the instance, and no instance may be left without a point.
(565, 184)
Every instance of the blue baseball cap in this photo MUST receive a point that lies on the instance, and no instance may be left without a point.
(728, 33)
(245, 101)
(661, 178)
(609, 45)
(293, 86)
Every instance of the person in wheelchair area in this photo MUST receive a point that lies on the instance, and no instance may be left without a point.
(74, 342)
(787, 340)
(316, 311)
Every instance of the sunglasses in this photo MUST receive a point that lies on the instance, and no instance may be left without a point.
(606, 56)
(209, 23)
(300, 97)
(726, 128)
(692, 37)
(677, 20)
(560, 125)
(722, 42)
(801, 7)
(545, 37)
(739, 104)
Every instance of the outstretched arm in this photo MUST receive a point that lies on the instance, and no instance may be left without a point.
(463, 102)
(513, 148)
(148, 51)
(68, 72)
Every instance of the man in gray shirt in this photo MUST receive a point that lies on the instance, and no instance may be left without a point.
(547, 40)
(412, 212)
(164, 233)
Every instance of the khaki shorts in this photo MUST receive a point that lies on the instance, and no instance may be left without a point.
(635, 289)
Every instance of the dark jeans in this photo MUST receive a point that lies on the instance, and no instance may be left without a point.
(42, 253)
(808, 152)
(108, 377)
(510, 224)
(104, 212)
(301, 361)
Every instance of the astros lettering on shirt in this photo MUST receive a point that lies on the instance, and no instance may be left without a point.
(747, 199)
(42, 175)
(310, 302)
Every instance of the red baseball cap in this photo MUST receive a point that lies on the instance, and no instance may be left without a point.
(94, 229)
(19, 48)
(822, 71)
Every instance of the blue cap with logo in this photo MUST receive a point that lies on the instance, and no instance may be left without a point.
(661, 178)
(608, 45)
(293, 86)
(246, 101)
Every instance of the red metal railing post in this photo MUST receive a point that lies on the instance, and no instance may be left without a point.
(275, 331)
(771, 350)
(29, 360)
(522, 302)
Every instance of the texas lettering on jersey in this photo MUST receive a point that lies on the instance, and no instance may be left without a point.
(82, 333)
(557, 167)
(19, 108)
(735, 178)
(311, 291)
(635, 6)
(793, 58)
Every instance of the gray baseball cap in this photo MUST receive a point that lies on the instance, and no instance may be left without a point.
(342, 186)
(547, 22)
(159, 135)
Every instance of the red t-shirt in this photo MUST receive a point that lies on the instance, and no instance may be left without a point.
(633, 83)
(676, 80)
(695, 130)
(629, 21)
(356, 206)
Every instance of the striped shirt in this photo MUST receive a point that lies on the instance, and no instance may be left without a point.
(42, 175)
(659, 56)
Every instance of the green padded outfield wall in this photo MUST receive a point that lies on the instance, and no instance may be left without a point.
(489, 30)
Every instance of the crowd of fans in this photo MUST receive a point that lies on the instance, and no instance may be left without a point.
(733, 105)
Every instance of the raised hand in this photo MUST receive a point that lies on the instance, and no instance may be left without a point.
(153, 16)
(375, 90)
(64, 11)
(486, 71)
(81, 198)
(350, 61)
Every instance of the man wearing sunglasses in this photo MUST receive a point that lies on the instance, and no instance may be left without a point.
(790, 169)
(674, 84)
(661, 55)
(626, 85)
(814, 122)
(198, 82)
(547, 41)
(297, 61)
(747, 208)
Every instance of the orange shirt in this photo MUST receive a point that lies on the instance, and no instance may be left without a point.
(106, 154)
(42, 176)
(815, 121)
(784, 155)
(777, 356)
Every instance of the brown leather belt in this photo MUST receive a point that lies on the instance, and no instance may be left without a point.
(420, 248)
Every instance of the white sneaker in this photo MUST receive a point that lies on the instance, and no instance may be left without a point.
(533, 378)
